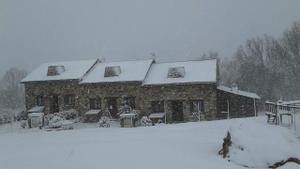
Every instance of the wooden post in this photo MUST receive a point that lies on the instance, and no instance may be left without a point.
(165, 110)
(228, 115)
(254, 104)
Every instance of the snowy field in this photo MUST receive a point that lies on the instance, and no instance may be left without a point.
(177, 146)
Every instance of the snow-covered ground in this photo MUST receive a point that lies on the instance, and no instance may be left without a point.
(175, 146)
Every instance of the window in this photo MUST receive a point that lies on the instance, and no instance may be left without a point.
(197, 106)
(130, 101)
(40, 100)
(69, 99)
(157, 106)
(95, 103)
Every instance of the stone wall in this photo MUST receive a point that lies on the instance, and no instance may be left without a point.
(239, 106)
(48, 90)
(143, 96)
(184, 93)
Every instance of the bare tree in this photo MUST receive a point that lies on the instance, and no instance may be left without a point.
(268, 66)
(12, 92)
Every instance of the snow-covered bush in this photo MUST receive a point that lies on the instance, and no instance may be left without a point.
(55, 122)
(5, 118)
(104, 121)
(69, 114)
(145, 121)
(23, 124)
(47, 118)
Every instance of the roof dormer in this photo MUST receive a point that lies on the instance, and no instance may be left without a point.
(55, 70)
(111, 71)
(176, 72)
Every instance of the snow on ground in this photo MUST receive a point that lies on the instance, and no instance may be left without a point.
(175, 146)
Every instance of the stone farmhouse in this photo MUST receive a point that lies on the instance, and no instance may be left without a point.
(171, 92)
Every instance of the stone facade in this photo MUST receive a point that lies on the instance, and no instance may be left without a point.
(175, 99)
(54, 92)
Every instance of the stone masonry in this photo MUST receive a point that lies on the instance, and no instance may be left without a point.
(143, 96)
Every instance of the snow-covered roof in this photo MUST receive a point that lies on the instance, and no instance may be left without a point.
(129, 71)
(204, 71)
(238, 92)
(73, 70)
(127, 115)
(35, 115)
(156, 115)
(93, 112)
(292, 102)
(36, 109)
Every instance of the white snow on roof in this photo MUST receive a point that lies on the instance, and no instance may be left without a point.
(74, 70)
(238, 92)
(292, 102)
(93, 112)
(130, 71)
(36, 109)
(156, 115)
(204, 71)
(35, 114)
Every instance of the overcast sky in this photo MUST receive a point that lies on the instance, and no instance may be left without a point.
(37, 31)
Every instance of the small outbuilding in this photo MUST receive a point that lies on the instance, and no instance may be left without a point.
(36, 116)
(235, 103)
(92, 116)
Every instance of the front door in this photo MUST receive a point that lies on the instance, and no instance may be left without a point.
(54, 104)
(111, 103)
(177, 111)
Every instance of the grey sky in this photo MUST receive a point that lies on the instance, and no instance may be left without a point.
(37, 31)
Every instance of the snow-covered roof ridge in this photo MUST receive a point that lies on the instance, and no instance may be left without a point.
(291, 102)
(195, 71)
(74, 70)
(238, 92)
(128, 71)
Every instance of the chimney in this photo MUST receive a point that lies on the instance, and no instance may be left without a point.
(234, 87)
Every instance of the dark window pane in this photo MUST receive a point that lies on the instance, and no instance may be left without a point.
(130, 101)
(40, 100)
(69, 99)
(197, 106)
(157, 106)
(95, 103)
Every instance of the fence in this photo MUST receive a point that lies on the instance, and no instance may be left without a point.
(284, 114)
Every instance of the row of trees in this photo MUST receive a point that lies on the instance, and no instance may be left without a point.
(11, 91)
(267, 65)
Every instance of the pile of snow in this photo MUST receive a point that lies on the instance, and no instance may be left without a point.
(258, 145)
(177, 146)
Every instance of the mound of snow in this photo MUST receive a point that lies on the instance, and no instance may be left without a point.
(290, 166)
(259, 145)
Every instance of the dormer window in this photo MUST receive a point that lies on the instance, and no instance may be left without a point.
(55, 70)
(111, 71)
(176, 72)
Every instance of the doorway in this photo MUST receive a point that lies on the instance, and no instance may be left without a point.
(54, 104)
(111, 103)
(177, 110)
